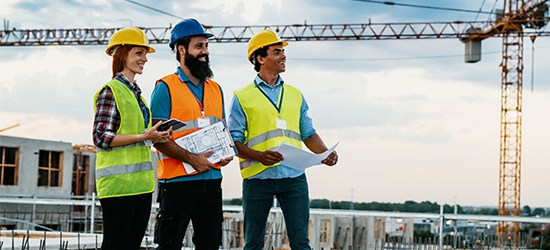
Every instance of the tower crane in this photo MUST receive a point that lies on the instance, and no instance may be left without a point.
(518, 15)
(519, 18)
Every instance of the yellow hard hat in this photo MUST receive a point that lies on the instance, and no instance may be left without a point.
(262, 39)
(128, 36)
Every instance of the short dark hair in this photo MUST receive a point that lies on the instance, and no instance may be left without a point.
(183, 42)
(260, 52)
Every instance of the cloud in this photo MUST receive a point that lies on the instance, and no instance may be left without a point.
(413, 120)
(47, 126)
(59, 81)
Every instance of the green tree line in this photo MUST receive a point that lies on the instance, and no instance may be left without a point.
(407, 206)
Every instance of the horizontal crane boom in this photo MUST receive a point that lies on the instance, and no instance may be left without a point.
(295, 32)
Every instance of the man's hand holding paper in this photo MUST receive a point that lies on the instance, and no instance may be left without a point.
(299, 159)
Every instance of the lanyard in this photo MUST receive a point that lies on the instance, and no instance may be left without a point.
(280, 101)
(197, 98)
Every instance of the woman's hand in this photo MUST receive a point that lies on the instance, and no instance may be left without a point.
(158, 136)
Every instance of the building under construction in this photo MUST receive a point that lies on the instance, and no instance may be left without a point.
(49, 186)
(47, 191)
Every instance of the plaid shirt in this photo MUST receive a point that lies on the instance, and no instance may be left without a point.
(107, 117)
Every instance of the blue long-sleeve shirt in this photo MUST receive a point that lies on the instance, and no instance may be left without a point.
(237, 126)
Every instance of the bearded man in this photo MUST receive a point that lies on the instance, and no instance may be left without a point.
(188, 193)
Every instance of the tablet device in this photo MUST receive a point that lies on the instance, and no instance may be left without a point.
(174, 123)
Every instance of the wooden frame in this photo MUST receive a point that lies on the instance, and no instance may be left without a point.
(4, 165)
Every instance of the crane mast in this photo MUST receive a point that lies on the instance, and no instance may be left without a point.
(510, 125)
(517, 15)
(510, 136)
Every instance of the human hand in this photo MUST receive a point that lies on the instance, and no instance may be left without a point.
(269, 157)
(200, 162)
(331, 159)
(225, 161)
(158, 136)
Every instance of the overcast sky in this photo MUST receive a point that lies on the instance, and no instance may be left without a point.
(414, 121)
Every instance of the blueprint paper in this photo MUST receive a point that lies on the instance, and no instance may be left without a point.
(215, 138)
(299, 159)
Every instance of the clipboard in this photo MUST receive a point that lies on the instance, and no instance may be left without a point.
(215, 137)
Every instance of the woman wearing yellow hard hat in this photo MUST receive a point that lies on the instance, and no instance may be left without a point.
(122, 133)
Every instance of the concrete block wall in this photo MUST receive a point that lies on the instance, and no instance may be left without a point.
(28, 166)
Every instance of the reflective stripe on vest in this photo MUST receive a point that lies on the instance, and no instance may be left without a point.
(127, 169)
(272, 134)
(193, 124)
(114, 176)
(185, 108)
(141, 143)
(262, 133)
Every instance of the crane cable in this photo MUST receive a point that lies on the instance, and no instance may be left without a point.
(532, 61)
(492, 10)
(154, 9)
(423, 6)
(480, 8)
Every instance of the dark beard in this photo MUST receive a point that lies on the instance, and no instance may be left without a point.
(198, 69)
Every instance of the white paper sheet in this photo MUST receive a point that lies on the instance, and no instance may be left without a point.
(299, 159)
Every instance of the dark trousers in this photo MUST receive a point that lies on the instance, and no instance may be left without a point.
(125, 220)
(197, 201)
(293, 196)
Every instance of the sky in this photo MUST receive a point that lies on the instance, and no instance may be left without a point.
(414, 121)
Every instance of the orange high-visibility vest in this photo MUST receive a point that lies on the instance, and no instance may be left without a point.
(186, 108)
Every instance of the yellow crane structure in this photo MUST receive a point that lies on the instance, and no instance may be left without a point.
(518, 19)
(9, 127)
(518, 15)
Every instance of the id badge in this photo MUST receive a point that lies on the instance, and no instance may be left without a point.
(281, 124)
(203, 122)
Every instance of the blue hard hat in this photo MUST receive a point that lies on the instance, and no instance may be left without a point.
(186, 28)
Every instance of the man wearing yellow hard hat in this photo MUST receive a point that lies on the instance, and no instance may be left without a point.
(264, 114)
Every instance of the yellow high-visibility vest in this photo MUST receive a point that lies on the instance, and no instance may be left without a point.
(261, 119)
(125, 170)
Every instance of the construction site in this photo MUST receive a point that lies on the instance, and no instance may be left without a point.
(47, 186)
